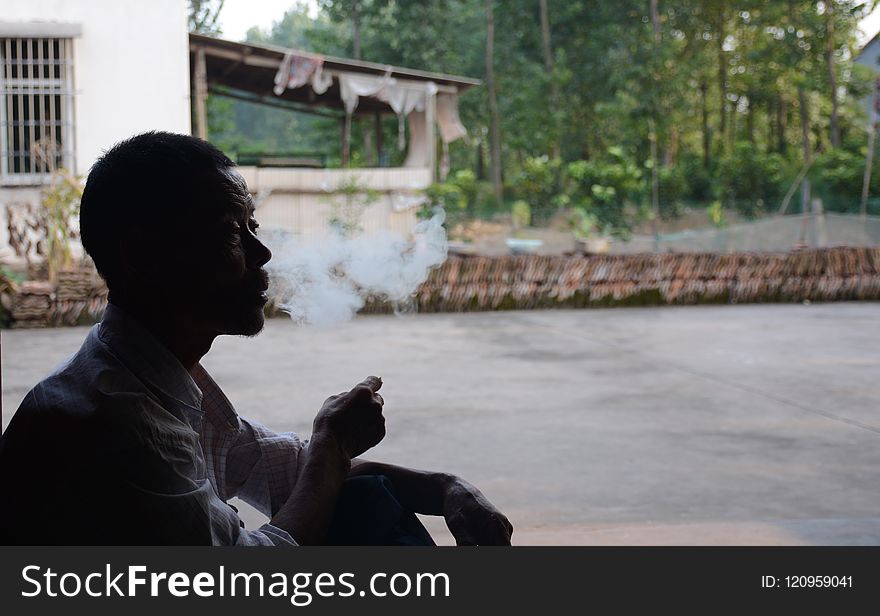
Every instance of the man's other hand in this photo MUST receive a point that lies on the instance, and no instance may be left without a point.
(471, 518)
(353, 418)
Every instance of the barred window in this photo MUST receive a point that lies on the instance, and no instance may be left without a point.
(36, 110)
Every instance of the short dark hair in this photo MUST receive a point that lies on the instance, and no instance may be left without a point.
(136, 185)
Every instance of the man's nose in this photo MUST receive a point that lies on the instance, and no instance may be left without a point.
(259, 252)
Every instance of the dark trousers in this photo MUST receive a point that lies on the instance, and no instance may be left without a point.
(368, 512)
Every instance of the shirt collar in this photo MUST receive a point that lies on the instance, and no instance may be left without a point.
(148, 358)
(217, 407)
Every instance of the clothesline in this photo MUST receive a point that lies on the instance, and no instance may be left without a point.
(403, 97)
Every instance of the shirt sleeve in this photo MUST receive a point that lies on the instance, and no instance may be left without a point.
(262, 466)
(271, 534)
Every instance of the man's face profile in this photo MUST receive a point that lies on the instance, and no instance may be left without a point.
(218, 258)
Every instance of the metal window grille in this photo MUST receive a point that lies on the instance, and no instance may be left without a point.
(36, 108)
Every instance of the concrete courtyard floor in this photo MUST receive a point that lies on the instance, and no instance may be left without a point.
(684, 425)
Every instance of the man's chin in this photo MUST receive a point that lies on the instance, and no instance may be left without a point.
(246, 325)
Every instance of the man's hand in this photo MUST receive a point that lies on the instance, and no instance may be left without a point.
(353, 418)
(471, 518)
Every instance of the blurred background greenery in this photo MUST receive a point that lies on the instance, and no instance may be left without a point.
(608, 114)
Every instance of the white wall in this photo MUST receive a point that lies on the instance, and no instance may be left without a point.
(299, 201)
(131, 67)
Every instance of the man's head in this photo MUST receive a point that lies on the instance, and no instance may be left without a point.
(169, 223)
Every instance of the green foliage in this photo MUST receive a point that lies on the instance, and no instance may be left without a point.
(699, 183)
(521, 213)
(607, 188)
(538, 183)
(752, 180)
(348, 202)
(583, 224)
(839, 171)
(60, 201)
(459, 196)
(722, 86)
(673, 186)
(715, 211)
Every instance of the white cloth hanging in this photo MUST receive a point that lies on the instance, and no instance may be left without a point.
(297, 69)
(403, 100)
(321, 82)
(417, 155)
(448, 121)
(352, 86)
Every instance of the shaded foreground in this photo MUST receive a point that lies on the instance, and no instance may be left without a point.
(678, 425)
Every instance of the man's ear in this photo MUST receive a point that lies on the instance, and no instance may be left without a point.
(133, 257)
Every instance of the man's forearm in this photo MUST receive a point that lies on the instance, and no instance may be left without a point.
(419, 491)
(307, 513)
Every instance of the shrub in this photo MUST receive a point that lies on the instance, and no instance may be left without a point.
(538, 183)
(699, 184)
(752, 180)
(522, 214)
(605, 188)
(837, 177)
(672, 186)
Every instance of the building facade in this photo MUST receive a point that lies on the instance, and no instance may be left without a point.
(77, 76)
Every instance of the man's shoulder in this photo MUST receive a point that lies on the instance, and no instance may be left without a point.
(91, 376)
(91, 389)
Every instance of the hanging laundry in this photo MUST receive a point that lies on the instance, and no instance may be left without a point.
(352, 86)
(450, 124)
(321, 82)
(299, 68)
(403, 100)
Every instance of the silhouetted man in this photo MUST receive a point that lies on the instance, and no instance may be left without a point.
(132, 442)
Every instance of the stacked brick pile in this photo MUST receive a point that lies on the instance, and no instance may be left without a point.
(523, 282)
(79, 295)
(32, 304)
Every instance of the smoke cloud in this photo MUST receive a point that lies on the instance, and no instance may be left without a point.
(327, 280)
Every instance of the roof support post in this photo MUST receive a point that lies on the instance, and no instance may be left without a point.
(378, 139)
(430, 132)
(346, 140)
(201, 91)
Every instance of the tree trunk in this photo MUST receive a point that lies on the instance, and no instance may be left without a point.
(379, 144)
(805, 124)
(808, 150)
(731, 135)
(832, 77)
(750, 121)
(704, 95)
(494, 129)
(356, 54)
(547, 49)
(652, 135)
(356, 30)
(722, 80)
(545, 36)
(869, 163)
(781, 124)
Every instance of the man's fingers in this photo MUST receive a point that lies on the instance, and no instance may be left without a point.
(374, 383)
(334, 397)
